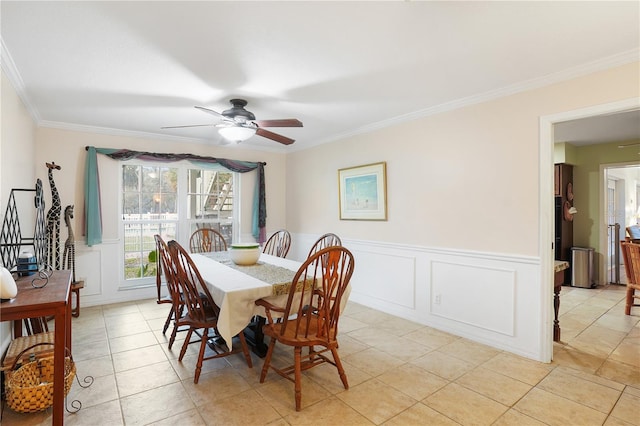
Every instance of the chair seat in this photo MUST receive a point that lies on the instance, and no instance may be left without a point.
(294, 335)
(211, 319)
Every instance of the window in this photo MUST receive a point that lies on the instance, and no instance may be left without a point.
(210, 201)
(172, 201)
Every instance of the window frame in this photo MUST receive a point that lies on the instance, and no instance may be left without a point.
(183, 223)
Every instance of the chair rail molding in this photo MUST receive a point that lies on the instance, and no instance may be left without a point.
(490, 298)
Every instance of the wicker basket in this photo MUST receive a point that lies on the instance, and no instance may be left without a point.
(28, 349)
(30, 387)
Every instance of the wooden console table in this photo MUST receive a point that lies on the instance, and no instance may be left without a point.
(52, 300)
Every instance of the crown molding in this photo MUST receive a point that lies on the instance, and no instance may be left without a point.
(11, 71)
(147, 135)
(536, 83)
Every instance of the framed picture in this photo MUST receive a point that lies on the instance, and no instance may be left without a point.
(363, 192)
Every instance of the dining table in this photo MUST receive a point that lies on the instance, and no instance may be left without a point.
(235, 288)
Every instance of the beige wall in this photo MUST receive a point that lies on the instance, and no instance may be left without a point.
(17, 147)
(17, 144)
(465, 179)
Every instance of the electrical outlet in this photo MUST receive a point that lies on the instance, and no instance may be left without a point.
(438, 299)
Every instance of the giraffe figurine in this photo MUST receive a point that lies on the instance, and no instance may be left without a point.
(53, 221)
(69, 245)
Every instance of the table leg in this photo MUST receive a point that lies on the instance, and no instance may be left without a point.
(556, 308)
(58, 365)
(557, 287)
(254, 336)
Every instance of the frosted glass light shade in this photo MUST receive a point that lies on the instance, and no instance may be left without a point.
(237, 133)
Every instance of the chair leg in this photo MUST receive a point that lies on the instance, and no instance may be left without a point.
(185, 344)
(343, 375)
(297, 358)
(245, 349)
(629, 301)
(174, 332)
(203, 345)
(168, 321)
(267, 360)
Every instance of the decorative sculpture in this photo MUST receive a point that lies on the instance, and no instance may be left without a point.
(69, 245)
(53, 221)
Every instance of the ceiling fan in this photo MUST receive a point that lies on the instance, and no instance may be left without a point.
(238, 124)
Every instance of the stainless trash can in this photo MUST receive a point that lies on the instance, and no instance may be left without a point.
(582, 274)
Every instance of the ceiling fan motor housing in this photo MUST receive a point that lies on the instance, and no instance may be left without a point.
(238, 111)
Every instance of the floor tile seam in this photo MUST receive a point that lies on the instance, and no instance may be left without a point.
(424, 401)
(512, 408)
(581, 352)
(499, 373)
(145, 365)
(475, 365)
(488, 396)
(550, 367)
(596, 376)
(132, 349)
(632, 366)
(609, 359)
(565, 399)
(595, 347)
(613, 407)
(550, 390)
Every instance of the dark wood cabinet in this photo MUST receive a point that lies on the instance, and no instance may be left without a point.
(563, 227)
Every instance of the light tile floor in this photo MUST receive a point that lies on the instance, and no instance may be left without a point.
(400, 373)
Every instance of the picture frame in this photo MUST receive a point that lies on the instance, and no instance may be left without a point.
(363, 192)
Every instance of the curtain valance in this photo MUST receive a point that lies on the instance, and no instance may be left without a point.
(92, 211)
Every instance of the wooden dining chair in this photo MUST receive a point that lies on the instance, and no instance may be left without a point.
(162, 251)
(278, 244)
(310, 317)
(204, 240)
(175, 297)
(327, 240)
(202, 311)
(631, 258)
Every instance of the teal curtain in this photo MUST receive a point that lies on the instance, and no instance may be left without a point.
(92, 211)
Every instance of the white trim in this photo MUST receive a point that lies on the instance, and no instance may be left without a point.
(546, 207)
(11, 71)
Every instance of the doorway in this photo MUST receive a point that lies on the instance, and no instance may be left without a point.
(546, 213)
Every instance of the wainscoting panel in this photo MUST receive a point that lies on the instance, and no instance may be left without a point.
(475, 295)
(490, 298)
(394, 283)
(89, 270)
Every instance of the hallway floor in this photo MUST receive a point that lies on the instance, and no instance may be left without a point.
(400, 373)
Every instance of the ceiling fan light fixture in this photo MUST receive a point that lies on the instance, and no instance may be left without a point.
(237, 133)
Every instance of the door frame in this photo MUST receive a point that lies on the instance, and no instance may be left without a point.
(546, 213)
(604, 199)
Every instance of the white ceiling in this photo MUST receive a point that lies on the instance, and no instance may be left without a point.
(342, 68)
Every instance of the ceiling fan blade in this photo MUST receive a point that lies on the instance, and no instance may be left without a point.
(285, 122)
(212, 112)
(274, 136)
(189, 125)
